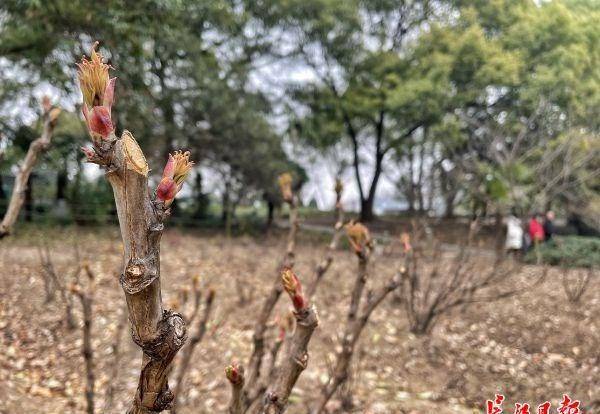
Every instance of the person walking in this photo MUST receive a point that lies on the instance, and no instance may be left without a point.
(536, 230)
(514, 234)
(549, 229)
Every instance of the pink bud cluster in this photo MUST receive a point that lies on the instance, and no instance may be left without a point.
(176, 170)
(98, 94)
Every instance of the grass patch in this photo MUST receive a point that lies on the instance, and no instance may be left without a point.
(568, 251)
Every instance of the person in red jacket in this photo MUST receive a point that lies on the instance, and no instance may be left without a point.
(536, 230)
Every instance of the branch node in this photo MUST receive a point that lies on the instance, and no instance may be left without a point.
(139, 274)
(171, 336)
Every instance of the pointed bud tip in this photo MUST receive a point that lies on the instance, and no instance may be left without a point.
(234, 373)
(293, 287)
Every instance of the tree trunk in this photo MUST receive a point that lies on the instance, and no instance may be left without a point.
(2, 195)
(61, 185)
(22, 179)
(432, 173)
(29, 201)
(449, 191)
(366, 211)
(270, 214)
(201, 198)
(420, 178)
(225, 204)
(449, 207)
(410, 196)
(499, 232)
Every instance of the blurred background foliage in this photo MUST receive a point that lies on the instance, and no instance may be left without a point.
(463, 104)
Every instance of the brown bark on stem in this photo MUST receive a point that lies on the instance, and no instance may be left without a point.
(258, 352)
(296, 360)
(17, 197)
(158, 332)
(188, 351)
(258, 390)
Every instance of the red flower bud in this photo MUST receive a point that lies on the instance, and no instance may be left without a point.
(166, 190)
(235, 373)
(99, 121)
(292, 286)
(176, 170)
(98, 94)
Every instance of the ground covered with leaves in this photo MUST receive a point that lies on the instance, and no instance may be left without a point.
(532, 347)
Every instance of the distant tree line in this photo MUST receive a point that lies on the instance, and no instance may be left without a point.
(483, 105)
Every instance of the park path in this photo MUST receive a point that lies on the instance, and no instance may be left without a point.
(385, 238)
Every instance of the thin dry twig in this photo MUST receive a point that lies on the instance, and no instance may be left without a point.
(358, 315)
(116, 362)
(325, 263)
(85, 296)
(256, 359)
(188, 350)
(575, 287)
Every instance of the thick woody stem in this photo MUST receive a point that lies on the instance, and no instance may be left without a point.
(22, 179)
(258, 352)
(325, 263)
(295, 361)
(352, 332)
(188, 351)
(160, 333)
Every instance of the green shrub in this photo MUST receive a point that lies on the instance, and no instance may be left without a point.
(568, 251)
